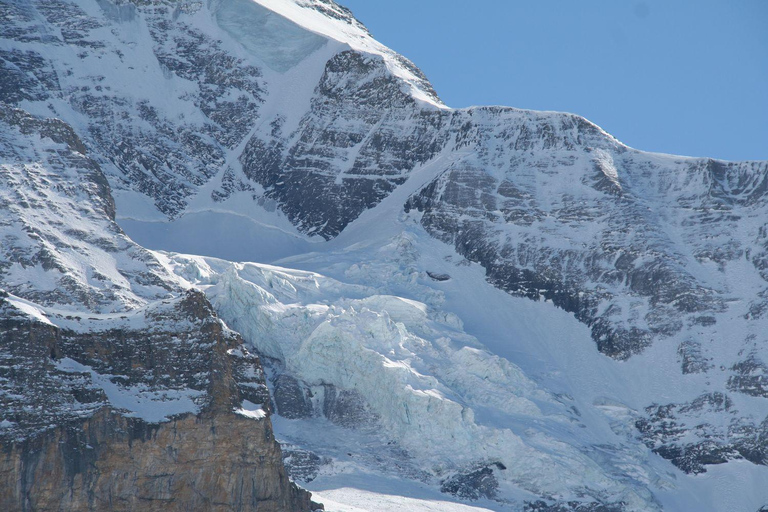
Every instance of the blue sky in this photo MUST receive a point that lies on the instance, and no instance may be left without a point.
(675, 76)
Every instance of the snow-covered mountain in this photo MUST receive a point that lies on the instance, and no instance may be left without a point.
(505, 307)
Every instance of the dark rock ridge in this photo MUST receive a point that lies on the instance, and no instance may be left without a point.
(315, 182)
(294, 399)
(750, 376)
(529, 238)
(572, 506)
(668, 430)
(302, 465)
(473, 485)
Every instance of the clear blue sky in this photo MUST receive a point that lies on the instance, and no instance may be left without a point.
(688, 77)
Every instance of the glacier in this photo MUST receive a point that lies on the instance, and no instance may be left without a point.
(434, 390)
(276, 40)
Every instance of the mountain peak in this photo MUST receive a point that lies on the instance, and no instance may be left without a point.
(337, 23)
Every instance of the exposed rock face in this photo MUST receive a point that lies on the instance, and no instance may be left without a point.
(302, 465)
(346, 407)
(333, 171)
(594, 251)
(292, 399)
(117, 463)
(687, 435)
(473, 485)
(750, 376)
(571, 506)
(295, 399)
(67, 446)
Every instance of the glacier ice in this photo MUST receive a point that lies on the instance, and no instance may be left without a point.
(277, 41)
(430, 385)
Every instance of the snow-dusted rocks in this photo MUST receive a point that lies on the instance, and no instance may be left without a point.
(60, 244)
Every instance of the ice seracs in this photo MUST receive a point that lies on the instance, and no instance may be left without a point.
(427, 385)
(277, 41)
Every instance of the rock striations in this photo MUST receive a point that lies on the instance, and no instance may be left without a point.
(70, 445)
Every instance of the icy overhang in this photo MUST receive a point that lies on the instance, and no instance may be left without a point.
(282, 33)
(280, 43)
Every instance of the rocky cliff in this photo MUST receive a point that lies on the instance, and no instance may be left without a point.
(119, 389)
(69, 444)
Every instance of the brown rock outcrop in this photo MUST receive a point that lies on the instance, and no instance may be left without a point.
(66, 447)
(218, 462)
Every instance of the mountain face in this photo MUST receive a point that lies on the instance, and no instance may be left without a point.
(493, 304)
(121, 389)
